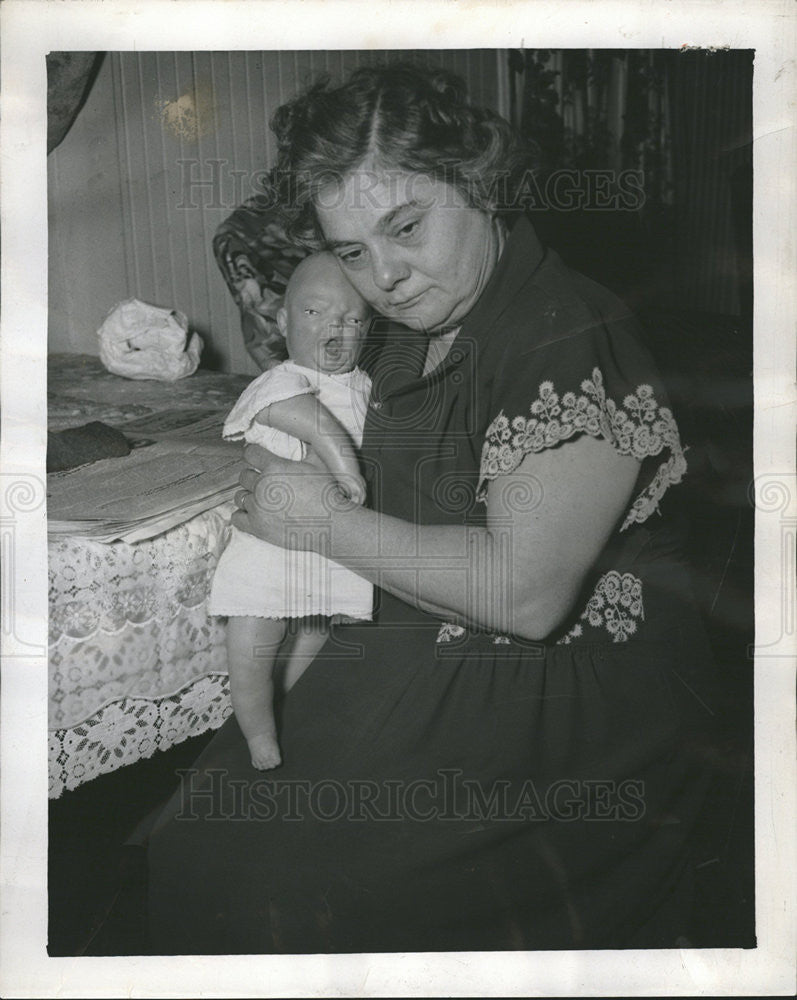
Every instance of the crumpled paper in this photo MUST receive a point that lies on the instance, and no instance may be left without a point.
(142, 341)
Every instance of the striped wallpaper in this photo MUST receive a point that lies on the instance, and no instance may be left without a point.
(166, 146)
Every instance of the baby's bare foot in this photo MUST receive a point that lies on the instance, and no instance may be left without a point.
(265, 751)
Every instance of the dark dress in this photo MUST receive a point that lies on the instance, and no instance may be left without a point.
(451, 789)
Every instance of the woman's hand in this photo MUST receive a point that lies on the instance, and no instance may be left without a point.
(289, 504)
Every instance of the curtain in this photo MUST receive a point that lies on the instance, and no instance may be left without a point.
(593, 109)
(602, 116)
(69, 79)
(680, 122)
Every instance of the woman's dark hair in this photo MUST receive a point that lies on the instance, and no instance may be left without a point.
(403, 116)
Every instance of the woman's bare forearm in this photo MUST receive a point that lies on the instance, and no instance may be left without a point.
(520, 574)
(460, 573)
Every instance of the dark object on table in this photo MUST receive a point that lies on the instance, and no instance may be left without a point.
(81, 445)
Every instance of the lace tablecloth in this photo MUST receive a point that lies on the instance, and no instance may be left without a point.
(136, 664)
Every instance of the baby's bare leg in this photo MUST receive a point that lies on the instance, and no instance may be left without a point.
(252, 646)
(310, 636)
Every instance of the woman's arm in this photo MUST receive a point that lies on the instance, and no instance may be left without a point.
(306, 418)
(519, 575)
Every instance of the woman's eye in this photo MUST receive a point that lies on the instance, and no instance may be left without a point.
(409, 228)
(311, 312)
(354, 256)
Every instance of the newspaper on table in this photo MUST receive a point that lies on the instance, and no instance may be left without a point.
(160, 484)
(184, 425)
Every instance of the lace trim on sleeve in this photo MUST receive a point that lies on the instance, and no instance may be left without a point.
(640, 428)
(616, 607)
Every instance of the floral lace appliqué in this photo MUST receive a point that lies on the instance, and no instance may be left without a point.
(616, 605)
(448, 632)
(640, 428)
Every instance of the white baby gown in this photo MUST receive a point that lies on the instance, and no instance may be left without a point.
(256, 578)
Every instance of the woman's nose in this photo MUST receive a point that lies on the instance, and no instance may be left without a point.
(389, 271)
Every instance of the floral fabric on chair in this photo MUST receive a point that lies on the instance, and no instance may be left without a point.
(256, 260)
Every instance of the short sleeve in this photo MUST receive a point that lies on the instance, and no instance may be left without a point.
(273, 386)
(590, 377)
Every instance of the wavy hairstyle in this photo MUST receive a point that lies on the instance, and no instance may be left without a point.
(404, 117)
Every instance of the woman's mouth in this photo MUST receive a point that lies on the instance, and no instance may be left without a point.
(404, 304)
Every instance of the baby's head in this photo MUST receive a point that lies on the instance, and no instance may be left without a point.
(323, 321)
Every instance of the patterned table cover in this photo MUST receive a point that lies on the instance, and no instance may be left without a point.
(136, 663)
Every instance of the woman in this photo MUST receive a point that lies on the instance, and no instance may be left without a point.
(511, 755)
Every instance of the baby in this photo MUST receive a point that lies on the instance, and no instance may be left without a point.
(318, 398)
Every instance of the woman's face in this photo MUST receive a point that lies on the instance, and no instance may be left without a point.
(410, 245)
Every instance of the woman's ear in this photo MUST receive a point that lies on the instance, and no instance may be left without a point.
(282, 321)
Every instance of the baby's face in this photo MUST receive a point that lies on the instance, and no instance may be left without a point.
(324, 321)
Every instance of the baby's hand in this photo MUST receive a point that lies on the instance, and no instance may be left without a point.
(342, 463)
(353, 485)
